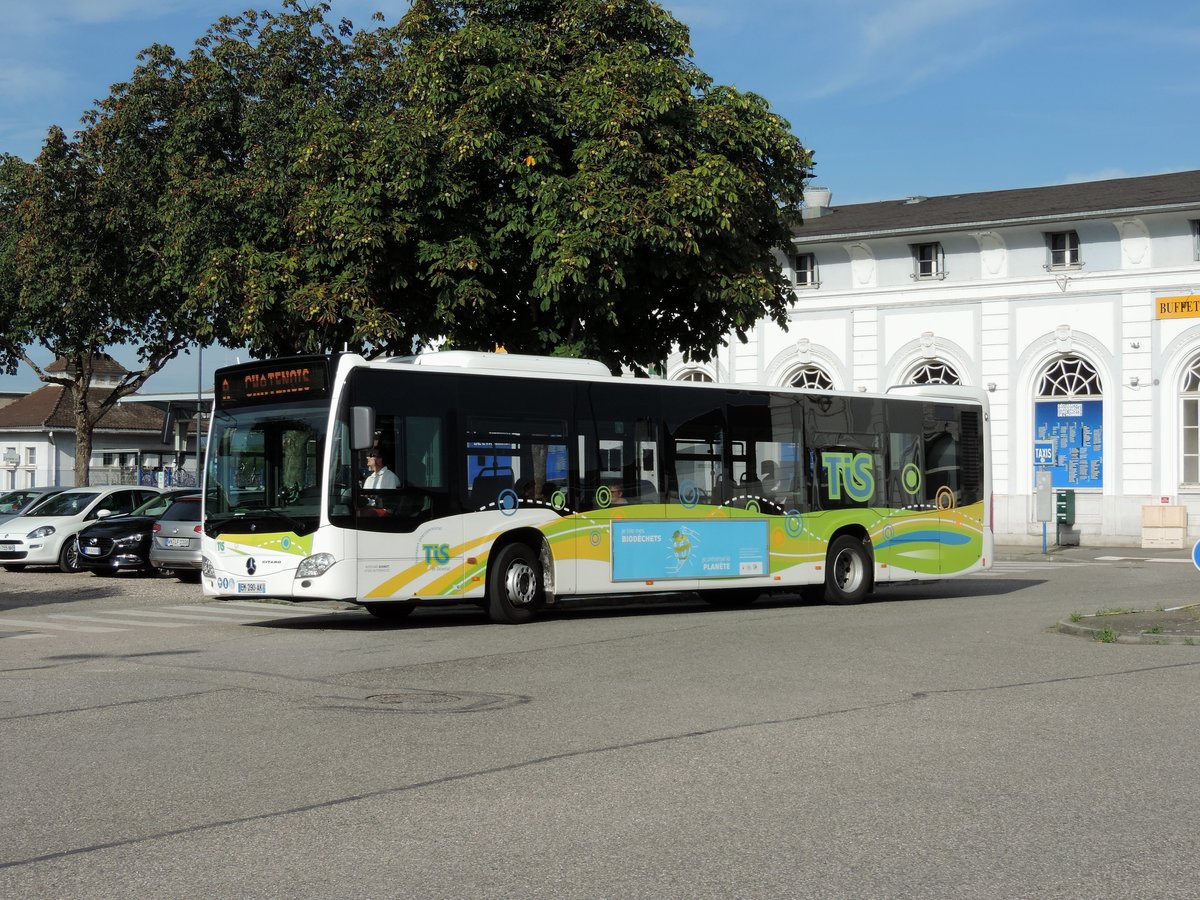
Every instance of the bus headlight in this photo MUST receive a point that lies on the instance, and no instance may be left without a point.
(207, 569)
(317, 564)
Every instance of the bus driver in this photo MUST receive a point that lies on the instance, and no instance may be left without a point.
(381, 477)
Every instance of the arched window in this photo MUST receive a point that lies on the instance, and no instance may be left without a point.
(694, 375)
(1069, 424)
(1190, 398)
(813, 378)
(1070, 377)
(933, 372)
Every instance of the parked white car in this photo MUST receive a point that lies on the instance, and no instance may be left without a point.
(47, 537)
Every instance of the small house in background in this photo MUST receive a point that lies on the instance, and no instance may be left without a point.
(130, 444)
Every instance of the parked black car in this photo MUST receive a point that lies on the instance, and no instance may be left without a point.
(122, 543)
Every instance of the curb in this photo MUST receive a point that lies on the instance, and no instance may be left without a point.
(1066, 626)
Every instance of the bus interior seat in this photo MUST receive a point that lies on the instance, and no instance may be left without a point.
(646, 492)
(488, 484)
(722, 491)
(751, 485)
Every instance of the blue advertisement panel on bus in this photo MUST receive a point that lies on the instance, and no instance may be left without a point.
(1070, 437)
(653, 551)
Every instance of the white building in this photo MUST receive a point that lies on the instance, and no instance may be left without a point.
(1076, 306)
(133, 442)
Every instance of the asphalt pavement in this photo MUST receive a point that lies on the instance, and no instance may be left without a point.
(1140, 620)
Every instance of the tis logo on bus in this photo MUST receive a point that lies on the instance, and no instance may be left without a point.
(436, 554)
(852, 471)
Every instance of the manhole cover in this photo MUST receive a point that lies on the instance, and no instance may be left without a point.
(446, 702)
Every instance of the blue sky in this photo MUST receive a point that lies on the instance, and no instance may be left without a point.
(895, 97)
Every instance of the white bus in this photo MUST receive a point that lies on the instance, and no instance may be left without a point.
(518, 482)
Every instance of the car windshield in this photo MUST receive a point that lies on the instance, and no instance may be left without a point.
(185, 509)
(67, 504)
(14, 501)
(155, 506)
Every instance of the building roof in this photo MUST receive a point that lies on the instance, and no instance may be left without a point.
(102, 364)
(52, 407)
(991, 209)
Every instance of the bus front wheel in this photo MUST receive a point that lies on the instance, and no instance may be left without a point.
(847, 570)
(514, 585)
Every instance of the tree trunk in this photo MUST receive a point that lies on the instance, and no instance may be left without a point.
(83, 437)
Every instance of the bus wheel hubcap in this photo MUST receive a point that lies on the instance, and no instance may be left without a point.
(520, 583)
(848, 571)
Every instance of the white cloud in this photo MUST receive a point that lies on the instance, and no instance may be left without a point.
(896, 46)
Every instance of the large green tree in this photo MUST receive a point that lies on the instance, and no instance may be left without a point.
(82, 267)
(585, 187)
(554, 176)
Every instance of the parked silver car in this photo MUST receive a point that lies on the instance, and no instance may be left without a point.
(176, 537)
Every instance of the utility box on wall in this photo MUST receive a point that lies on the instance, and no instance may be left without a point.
(1064, 508)
(1164, 526)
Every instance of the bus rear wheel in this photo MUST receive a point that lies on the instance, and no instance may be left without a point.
(847, 570)
(514, 585)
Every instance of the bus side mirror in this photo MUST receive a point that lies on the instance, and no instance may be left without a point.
(362, 427)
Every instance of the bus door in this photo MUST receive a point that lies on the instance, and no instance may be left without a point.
(408, 542)
(923, 487)
(622, 540)
(953, 482)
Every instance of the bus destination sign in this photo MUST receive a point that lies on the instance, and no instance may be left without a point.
(282, 380)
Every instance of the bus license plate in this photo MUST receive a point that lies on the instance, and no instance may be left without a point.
(252, 587)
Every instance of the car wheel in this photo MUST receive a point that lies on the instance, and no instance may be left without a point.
(68, 557)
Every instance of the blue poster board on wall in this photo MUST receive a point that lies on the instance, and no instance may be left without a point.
(1075, 430)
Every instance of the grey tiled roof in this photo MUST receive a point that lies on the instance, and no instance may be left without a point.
(991, 209)
(52, 407)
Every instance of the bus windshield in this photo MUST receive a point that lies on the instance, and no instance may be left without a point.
(264, 462)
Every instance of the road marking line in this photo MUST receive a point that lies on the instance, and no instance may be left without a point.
(284, 610)
(38, 626)
(1162, 559)
(218, 612)
(122, 621)
(250, 610)
(212, 620)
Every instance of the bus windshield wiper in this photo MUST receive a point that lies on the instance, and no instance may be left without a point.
(214, 525)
